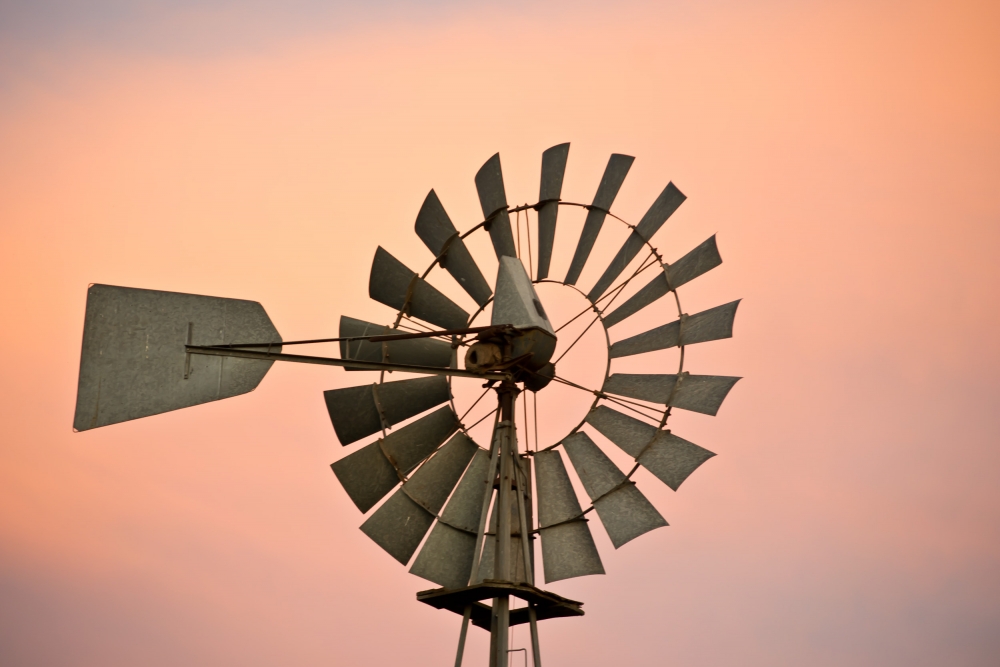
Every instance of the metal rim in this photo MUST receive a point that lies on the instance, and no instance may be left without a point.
(616, 290)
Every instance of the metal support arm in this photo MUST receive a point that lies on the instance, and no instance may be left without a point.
(218, 351)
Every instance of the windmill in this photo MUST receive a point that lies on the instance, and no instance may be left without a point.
(460, 514)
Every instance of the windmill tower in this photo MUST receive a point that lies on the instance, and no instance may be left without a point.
(462, 515)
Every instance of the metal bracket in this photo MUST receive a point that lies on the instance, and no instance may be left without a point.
(443, 254)
(392, 461)
(187, 352)
(378, 407)
(673, 390)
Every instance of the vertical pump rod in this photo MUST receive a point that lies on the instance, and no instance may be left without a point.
(502, 560)
(523, 488)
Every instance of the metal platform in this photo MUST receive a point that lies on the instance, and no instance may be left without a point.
(546, 605)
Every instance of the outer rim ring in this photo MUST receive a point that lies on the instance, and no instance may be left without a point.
(600, 315)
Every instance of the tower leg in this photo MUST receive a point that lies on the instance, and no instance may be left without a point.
(461, 636)
(536, 653)
(500, 637)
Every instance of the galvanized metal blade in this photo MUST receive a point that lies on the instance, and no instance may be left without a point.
(372, 471)
(366, 475)
(447, 555)
(697, 393)
(662, 208)
(431, 485)
(401, 522)
(611, 182)
(398, 526)
(438, 233)
(393, 284)
(413, 352)
(712, 324)
(568, 548)
(493, 200)
(670, 458)
(133, 362)
(553, 170)
(624, 511)
(465, 505)
(702, 259)
(357, 412)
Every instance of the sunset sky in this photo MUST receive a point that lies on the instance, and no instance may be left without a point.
(846, 154)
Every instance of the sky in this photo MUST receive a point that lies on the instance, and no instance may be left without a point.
(845, 154)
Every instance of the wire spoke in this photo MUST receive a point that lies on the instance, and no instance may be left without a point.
(632, 409)
(576, 317)
(582, 333)
(614, 292)
(485, 391)
(617, 291)
(578, 386)
(614, 399)
(468, 428)
(623, 401)
(420, 327)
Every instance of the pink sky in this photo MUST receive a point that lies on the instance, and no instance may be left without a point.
(847, 154)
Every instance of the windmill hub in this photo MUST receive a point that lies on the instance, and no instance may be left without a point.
(526, 340)
(526, 353)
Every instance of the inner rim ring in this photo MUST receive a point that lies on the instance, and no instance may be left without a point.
(600, 315)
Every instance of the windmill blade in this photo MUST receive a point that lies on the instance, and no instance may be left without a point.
(493, 199)
(624, 511)
(712, 324)
(662, 208)
(357, 412)
(396, 286)
(697, 393)
(701, 260)
(133, 362)
(611, 182)
(553, 170)
(438, 233)
(372, 471)
(401, 522)
(412, 352)
(447, 555)
(431, 485)
(518, 574)
(568, 548)
(398, 526)
(670, 458)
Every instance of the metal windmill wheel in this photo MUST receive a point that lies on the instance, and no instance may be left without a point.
(461, 514)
